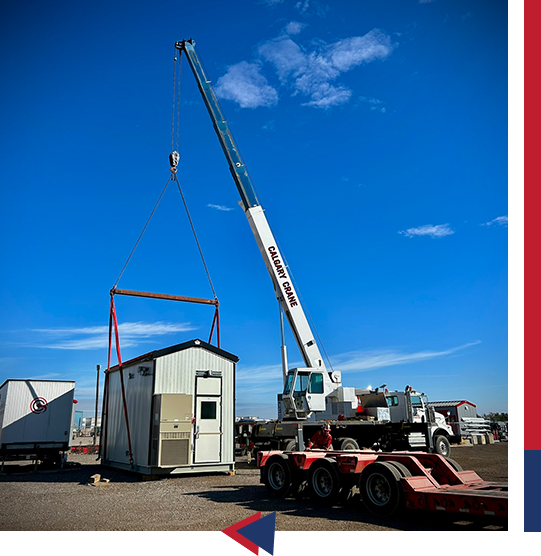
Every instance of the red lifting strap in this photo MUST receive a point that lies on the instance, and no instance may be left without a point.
(113, 321)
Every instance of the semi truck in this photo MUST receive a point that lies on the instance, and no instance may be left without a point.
(313, 393)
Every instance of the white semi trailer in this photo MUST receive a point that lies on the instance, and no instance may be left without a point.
(36, 419)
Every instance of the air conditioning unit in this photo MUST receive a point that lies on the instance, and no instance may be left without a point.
(172, 430)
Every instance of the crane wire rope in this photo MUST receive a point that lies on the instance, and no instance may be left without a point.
(142, 232)
(195, 235)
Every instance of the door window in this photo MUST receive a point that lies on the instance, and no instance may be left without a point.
(316, 384)
(208, 410)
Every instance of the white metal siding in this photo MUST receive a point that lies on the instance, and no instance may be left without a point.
(139, 404)
(52, 424)
(175, 373)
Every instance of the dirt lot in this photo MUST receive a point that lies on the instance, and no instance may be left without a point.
(62, 500)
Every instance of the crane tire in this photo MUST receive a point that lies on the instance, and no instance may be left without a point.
(442, 446)
(290, 445)
(349, 444)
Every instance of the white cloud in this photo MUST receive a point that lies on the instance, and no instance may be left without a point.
(220, 207)
(97, 337)
(374, 104)
(362, 361)
(269, 126)
(244, 84)
(499, 221)
(294, 28)
(310, 73)
(440, 230)
(309, 7)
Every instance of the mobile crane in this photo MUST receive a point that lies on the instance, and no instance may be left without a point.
(311, 391)
(387, 481)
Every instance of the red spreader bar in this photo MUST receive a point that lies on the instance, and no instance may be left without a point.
(168, 297)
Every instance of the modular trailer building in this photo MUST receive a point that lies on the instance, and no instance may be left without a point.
(36, 418)
(180, 403)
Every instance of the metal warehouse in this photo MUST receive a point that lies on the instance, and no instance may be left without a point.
(180, 409)
(35, 418)
(461, 415)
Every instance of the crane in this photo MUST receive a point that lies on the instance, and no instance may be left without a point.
(306, 389)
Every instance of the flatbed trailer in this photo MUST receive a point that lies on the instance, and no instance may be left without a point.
(388, 482)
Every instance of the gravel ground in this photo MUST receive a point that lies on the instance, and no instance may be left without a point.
(61, 500)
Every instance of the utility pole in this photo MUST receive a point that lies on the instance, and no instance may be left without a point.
(96, 412)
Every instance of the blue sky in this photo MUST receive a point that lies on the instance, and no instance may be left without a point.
(376, 136)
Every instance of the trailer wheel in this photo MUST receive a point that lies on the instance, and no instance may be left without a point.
(442, 446)
(349, 444)
(380, 488)
(277, 476)
(454, 464)
(324, 481)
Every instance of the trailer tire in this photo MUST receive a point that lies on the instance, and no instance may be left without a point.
(349, 444)
(324, 482)
(277, 476)
(442, 446)
(454, 464)
(380, 488)
(402, 469)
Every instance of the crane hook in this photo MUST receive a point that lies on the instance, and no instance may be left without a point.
(174, 158)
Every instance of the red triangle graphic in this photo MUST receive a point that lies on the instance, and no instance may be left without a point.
(232, 532)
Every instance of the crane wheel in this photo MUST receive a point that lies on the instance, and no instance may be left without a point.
(380, 488)
(442, 446)
(324, 484)
(277, 476)
(349, 444)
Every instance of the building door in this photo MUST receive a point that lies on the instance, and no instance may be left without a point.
(208, 420)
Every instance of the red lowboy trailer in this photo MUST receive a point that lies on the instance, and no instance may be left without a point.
(387, 481)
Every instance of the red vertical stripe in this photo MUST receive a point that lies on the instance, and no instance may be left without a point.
(532, 196)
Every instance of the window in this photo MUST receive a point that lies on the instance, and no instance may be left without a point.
(287, 387)
(301, 384)
(208, 410)
(416, 401)
(316, 384)
(392, 401)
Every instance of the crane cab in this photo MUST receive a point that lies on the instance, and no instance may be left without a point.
(304, 393)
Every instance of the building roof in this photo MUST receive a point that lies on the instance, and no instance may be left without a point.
(456, 403)
(151, 355)
(33, 380)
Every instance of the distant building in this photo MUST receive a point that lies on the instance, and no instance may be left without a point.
(461, 415)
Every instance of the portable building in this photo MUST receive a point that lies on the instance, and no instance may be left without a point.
(461, 415)
(36, 417)
(180, 407)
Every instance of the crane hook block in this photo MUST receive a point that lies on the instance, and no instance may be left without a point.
(174, 158)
